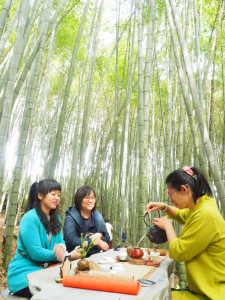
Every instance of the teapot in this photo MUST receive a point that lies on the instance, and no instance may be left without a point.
(136, 252)
(156, 234)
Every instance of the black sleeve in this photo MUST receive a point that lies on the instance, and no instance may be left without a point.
(105, 232)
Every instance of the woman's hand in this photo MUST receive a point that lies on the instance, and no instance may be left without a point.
(75, 254)
(103, 245)
(97, 241)
(165, 224)
(59, 251)
(154, 206)
(96, 238)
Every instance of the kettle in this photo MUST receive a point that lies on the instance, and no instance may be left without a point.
(156, 234)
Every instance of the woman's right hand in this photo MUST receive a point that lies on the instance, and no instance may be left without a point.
(75, 254)
(154, 206)
(59, 251)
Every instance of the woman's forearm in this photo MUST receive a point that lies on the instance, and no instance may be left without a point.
(169, 210)
(170, 232)
(154, 206)
(103, 245)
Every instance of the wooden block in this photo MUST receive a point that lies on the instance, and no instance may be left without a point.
(137, 261)
(65, 268)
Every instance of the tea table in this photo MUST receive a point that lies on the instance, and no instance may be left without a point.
(43, 286)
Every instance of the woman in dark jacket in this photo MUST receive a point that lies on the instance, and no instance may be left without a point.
(84, 218)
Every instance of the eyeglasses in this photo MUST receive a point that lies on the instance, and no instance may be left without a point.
(87, 198)
(171, 194)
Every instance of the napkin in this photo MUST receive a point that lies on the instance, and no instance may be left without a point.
(102, 284)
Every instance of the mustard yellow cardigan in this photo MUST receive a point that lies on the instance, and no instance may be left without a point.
(201, 246)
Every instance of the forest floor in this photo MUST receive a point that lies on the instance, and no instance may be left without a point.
(3, 278)
(3, 272)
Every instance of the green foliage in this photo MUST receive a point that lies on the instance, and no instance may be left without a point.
(104, 146)
(68, 29)
(85, 247)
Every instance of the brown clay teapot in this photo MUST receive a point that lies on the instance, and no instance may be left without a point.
(136, 252)
(155, 234)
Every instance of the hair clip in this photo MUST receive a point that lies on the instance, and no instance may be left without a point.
(188, 170)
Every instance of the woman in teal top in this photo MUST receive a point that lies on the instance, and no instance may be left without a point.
(40, 241)
(201, 244)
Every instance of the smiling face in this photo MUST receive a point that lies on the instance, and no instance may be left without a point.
(88, 202)
(50, 201)
(182, 198)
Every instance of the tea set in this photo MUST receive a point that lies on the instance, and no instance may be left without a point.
(155, 234)
(108, 264)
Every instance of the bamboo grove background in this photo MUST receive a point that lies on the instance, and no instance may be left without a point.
(114, 94)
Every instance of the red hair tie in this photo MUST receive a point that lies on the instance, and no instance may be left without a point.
(188, 170)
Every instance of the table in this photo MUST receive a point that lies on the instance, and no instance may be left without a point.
(43, 286)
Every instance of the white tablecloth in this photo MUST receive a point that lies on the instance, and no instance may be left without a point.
(43, 286)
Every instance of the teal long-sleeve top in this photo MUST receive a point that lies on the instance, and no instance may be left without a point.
(201, 246)
(33, 244)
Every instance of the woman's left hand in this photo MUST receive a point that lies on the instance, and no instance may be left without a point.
(163, 223)
(103, 245)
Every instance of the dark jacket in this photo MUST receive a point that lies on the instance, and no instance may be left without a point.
(73, 228)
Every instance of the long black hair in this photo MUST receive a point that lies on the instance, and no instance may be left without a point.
(197, 182)
(44, 187)
(82, 192)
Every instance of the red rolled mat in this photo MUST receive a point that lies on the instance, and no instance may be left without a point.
(102, 284)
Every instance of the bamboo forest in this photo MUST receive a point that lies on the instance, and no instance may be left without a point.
(112, 94)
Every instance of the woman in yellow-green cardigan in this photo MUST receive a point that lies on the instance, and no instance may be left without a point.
(201, 244)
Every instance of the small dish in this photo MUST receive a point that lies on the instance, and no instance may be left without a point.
(126, 258)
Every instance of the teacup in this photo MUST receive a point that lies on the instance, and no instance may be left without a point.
(118, 268)
(110, 260)
(104, 265)
(122, 255)
(155, 253)
(145, 255)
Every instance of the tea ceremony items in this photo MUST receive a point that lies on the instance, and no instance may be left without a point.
(82, 284)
